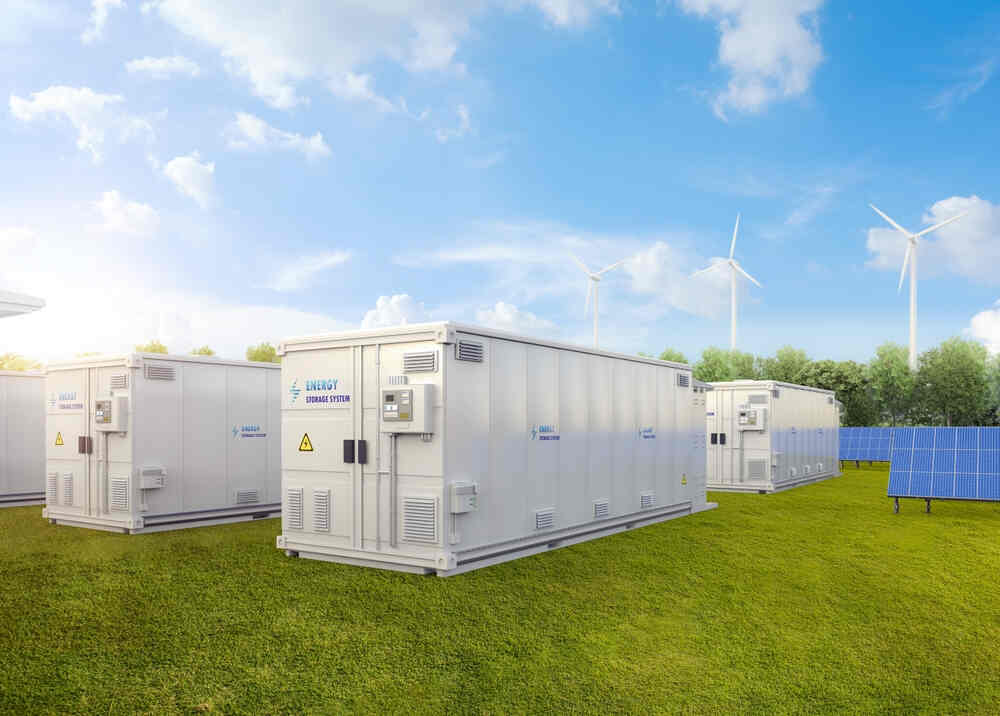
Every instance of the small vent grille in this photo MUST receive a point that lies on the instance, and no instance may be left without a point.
(293, 508)
(819, 467)
(160, 372)
(758, 400)
(545, 519)
(67, 488)
(470, 351)
(321, 510)
(647, 500)
(119, 494)
(792, 472)
(422, 362)
(757, 469)
(119, 381)
(398, 380)
(420, 519)
(806, 469)
(775, 393)
(601, 509)
(52, 488)
(247, 497)
(683, 380)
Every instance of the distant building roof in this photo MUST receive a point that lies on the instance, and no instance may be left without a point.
(13, 304)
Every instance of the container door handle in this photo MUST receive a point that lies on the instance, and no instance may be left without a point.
(715, 438)
(84, 445)
(362, 452)
(349, 451)
(722, 438)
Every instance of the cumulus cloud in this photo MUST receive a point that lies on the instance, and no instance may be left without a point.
(969, 247)
(985, 327)
(163, 67)
(100, 10)
(193, 178)
(771, 49)
(299, 275)
(507, 317)
(92, 114)
(250, 132)
(393, 311)
(126, 217)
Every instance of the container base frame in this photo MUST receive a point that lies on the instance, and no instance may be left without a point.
(771, 488)
(22, 499)
(169, 522)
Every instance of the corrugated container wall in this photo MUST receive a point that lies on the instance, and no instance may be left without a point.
(151, 442)
(22, 438)
(765, 436)
(442, 447)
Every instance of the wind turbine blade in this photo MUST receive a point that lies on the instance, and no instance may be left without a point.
(707, 269)
(608, 268)
(898, 227)
(740, 269)
(732, 246)
(938, 226)
(906, 260)
(580, 264)
(590, 290)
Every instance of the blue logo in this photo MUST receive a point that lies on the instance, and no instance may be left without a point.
(326, 387)
(543, 432)
(295, 390)
(647, 433)
(248, 431)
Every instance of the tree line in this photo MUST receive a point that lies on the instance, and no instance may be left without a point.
(955, 383)
(262, 353)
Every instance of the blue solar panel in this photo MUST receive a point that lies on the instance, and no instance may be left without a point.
(873, 444)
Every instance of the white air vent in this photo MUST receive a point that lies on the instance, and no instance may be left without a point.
(398, 380)
(469, 350)
(247, 497)
(601, 509)
(647, 500)
(321, 510)
(545, 519)
(152, 478)
(160, 372)
(52, 488)
(683, 380)
(422, 362)
(775, 393)
(119, 381)
(293, 508)
(420, 519)
(819, 467)
(757, 470)
(758, 400)
(67, 488)
(792, 472)
(806, 469)
(119, 494)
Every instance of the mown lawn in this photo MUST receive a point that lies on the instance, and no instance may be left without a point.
(814, 600)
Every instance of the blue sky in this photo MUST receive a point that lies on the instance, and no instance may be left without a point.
(226, 174)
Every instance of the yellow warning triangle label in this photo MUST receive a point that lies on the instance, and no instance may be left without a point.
(59, 440)
(684, 480)
(306, 445)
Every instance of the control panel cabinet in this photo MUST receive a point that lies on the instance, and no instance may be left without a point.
(111, 414)
(408, 409)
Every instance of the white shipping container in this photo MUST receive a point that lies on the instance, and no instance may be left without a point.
(766, 436)
(441, 448)
(151, 442)
(22, 438)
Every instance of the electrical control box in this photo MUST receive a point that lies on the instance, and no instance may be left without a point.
(408, 409)
(111, 414)
(464, 497)
(752, 418)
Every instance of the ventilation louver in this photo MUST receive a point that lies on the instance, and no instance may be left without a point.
(757, 470)
(683, 380)
(398, 380)
(819, 467)
(601, 509)
(420, 519)
(293, 508)
(154, 371)
(119, 494)
(470, 351)
(68, 488)
(247, 497)
(647, 500)
(321, 510)
(422, 362)
(52, 488)
(119, 381)
(545, 519)
(758, 400)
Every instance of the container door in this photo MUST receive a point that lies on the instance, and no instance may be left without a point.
(68, 439)
(719, 440)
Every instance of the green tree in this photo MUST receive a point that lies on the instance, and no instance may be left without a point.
(746, 366)
(673, 355)
(263, 353)
(952, 384)
(12, 361)
(154, 346)
(786, 365)
(203, 351)
(993, 390)
(714, 365)
(850, 382)
(892, 381)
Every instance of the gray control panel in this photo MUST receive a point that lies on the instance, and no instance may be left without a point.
(397, 405)
(111, 414)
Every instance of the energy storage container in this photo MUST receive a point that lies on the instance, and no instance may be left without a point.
(440, 448)
(765, 436)
(22, 438)
(151, 442)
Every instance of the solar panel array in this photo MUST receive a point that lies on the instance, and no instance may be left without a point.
(865, 444)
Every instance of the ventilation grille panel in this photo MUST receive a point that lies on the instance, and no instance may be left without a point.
(470, 351)
(154, 371)
(119, 494)
(420, 519)
(52, 488)
(67, 488)
(545, 519)
(398, 380)
(601, 509)
(119, 381)
(247, 497)
(819, 467)
(647, 500)
(421, 362)
(321, 510)
(758, 400)
(683, 380)
(757, 469)
(293, 508)
(806, 469)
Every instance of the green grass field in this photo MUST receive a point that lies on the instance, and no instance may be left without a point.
(814, 600)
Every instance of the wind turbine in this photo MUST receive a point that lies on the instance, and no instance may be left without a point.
(595, 280)
(911, 257)
(734, 269)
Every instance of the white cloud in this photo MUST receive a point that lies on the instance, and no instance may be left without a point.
(770, 47)
(193, 178)
(507, 317)
(279, 46)
(969, 247)
(16, 239)
(126, 217)
(250, 132)
(393, 311)
(662, 273)
(92, 114)
(299, 275)
(99, 19)
(985, 327)
(445, 135)
(163, 67)
(976, 78)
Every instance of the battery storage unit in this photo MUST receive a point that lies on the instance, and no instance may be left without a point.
(441, 448)
(151, 442)
(22, 438)
(766, 436)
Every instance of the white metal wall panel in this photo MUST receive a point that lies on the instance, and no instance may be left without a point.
(22, 438)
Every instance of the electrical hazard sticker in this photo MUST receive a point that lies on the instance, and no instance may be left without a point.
(306, 444)
(59, 440)
(684, 479)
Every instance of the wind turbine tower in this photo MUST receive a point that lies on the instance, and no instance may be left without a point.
(594, 285)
